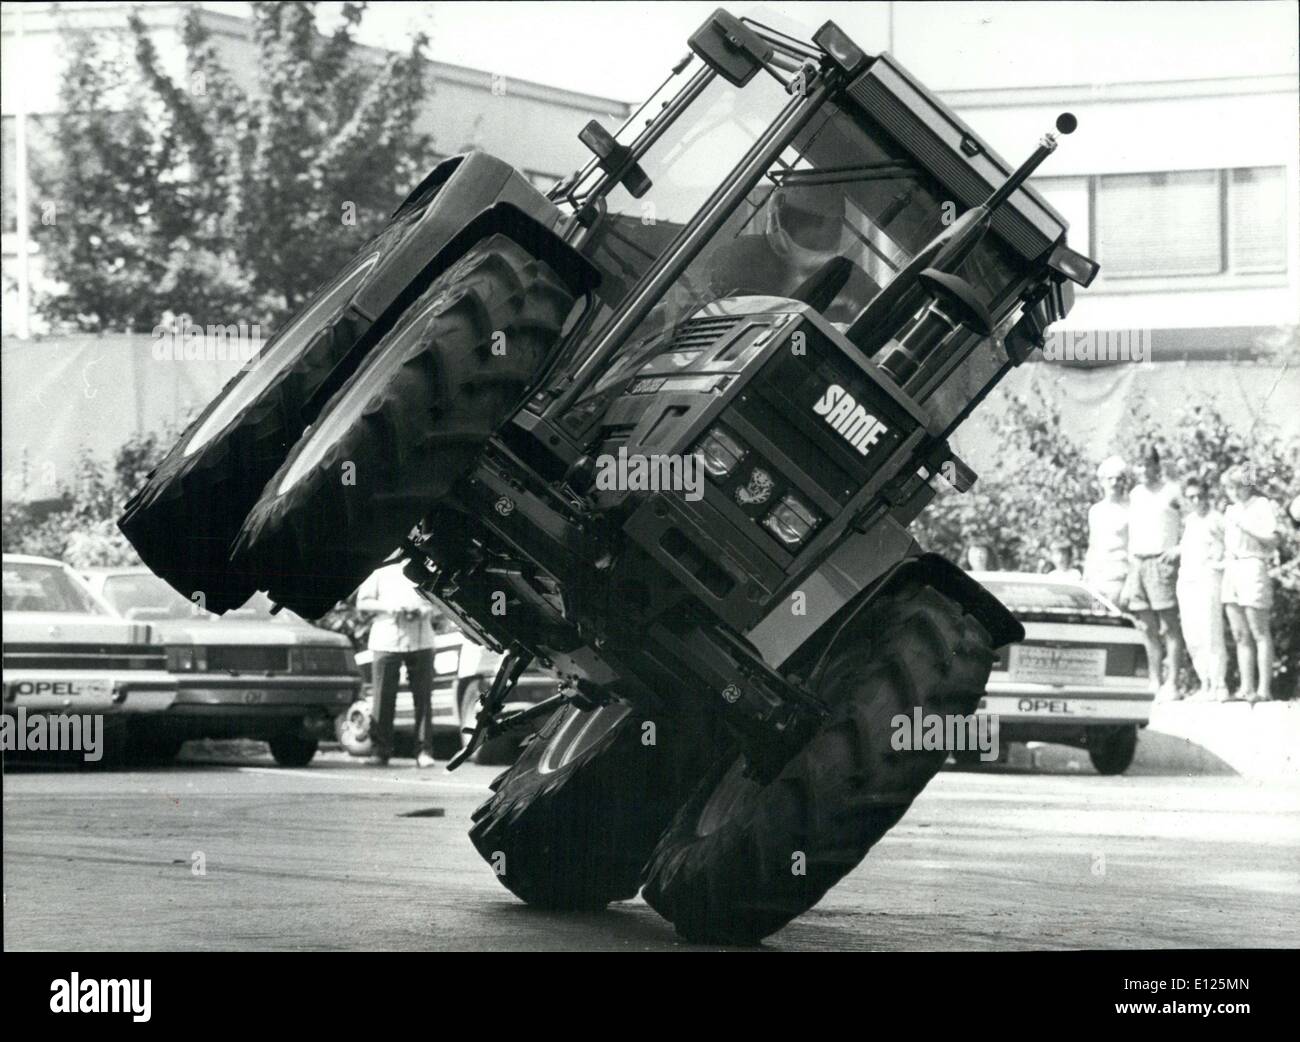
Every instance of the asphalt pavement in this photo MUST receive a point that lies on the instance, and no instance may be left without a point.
(225, 850)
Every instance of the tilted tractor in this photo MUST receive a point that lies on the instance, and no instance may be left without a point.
(793, 272)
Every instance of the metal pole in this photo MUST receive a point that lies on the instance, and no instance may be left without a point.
(20, 175)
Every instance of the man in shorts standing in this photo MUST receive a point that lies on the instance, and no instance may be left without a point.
(1154, 530)
(1250, 537)
(1105, 563)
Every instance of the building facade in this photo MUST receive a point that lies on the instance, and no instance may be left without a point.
(532, 126)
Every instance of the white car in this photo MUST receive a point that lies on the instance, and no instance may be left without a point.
(245, 674)
(67, 652)
(462, 671)
(1078, 678)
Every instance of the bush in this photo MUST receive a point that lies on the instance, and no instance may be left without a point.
(81, 527)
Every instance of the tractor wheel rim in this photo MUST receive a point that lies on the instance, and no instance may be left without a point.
(578, 733)
(730, 799)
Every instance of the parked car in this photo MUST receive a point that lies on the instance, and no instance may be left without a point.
(462, 671)
(1078, 678)
(67, 652)
(246, 674)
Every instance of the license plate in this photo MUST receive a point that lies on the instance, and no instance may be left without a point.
(1032, 664)
(96, 688)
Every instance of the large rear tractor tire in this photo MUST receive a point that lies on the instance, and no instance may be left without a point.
(405, 427)
(184, 518)
(572, 822)
(744, 858)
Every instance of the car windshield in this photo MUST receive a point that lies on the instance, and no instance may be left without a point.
(45, 587)
(138, 594)
(1046, 598)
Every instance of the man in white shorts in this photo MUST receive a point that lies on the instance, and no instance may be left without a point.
(1105, 562)
(1249, 538)
(1154, 529)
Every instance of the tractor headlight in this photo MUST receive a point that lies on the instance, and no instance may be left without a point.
(187, 658)
(790, 521)
(721, 452)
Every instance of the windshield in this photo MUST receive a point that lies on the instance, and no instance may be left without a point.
(1022, 598)
(685, 165)
(141, 593)
(842, 196)
(843, 191)
(45, 587)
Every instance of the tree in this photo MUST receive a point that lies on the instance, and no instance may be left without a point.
(1040, 493)
(82, 529)
(217, 199)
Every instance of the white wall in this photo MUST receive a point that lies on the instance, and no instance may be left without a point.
(1193, 125)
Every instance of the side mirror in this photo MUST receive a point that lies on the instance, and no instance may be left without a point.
(731, 48)
(615, 159)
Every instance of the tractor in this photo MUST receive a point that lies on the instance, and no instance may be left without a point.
(662, 431)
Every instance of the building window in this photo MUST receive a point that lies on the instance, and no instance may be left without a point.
(1257, 219)
(1159, 224)
(1185, 223)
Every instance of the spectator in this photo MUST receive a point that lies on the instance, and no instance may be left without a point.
(1200, 576)
(1154, 529)
(980, 557)
(1249, 538)
(1105, 563)
(1063, 560)
(402, 634)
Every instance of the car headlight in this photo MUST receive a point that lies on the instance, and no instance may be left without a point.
(721, 452)
(308, 659)
(790, 521)
(187, 658)
(446, 662)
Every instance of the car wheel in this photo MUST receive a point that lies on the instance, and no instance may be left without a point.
(354, 729)
(293, 750)
(1111, 749)
(150, 749)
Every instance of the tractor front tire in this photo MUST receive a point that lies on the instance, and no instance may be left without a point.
(407, 425)
(744, 858)
(571, 824)
(184, 518)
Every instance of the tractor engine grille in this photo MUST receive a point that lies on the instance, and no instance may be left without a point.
(701, 332)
